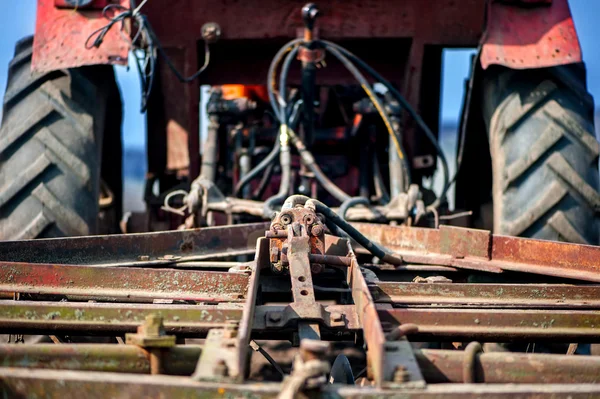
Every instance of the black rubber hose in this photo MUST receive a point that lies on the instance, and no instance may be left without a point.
(264, 182)
(248, 177)
(284, 186)
(356, 235)
(271, 78)
(377, 103)
(285, 69)
(308, 160)
(349, 203)
(408, 108)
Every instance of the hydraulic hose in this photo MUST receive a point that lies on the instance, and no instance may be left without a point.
(266, 179)
(248, 177)
(331, 216)
(308, 160)
(378, 106)
(420, 122)
(349, 203)
(285, 69)
(286, 176)
(271, 78)
(269, 159)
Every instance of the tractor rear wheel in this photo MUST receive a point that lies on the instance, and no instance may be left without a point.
(50, 148)
(544, 153)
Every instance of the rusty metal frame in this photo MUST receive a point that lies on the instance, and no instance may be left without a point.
(110, 285)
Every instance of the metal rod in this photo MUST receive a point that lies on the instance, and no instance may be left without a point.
(489, 295)
(122, 282)
(15, 382)
(499, 325)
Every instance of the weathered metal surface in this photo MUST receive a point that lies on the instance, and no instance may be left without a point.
(488, 295)
(530, 37)
(440, 22)
(179, 360)
(383, 359)
(442, 247)
(499, 325)
(124, 283)
(115, 249)
(74, 384)
(61, 34)
(440, 366)
(93, 318)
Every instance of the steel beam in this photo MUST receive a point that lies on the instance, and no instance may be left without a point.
(178, 360)
(16, 382)
(480, 250)
(438, 366)
(94, 318)
(123, 283)
(496, 326)
(201, 244)
(488, 295)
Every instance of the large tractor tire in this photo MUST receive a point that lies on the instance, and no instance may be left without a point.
(50, 148)
(544, 153)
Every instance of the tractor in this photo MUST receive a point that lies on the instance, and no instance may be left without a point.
(527, 153)
(292, 245)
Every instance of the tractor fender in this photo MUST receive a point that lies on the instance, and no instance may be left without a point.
(530, 34)
(61, 33)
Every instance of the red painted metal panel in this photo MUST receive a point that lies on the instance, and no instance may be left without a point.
(60, 37)
(530, 37)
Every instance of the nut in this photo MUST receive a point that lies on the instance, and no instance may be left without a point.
(153, 326)
(285, 219)
(275, 317)
(221, 369)
(316, 230)
(401, 374)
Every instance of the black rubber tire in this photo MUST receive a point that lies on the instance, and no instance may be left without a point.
(50, 148)
(544, 153)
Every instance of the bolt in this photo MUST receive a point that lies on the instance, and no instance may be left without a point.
(335, 316)
(277, 267)
(221, 369)
(401, 374)
(309, 219)
(285, 219)
(153, 326)
(275, 317)
(276, 227)
(211, 32)
(316, 230)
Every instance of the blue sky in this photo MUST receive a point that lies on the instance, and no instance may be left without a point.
(20, 22)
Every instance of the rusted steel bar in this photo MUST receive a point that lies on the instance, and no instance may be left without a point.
(480, 250)
(438, 366)
(498, 325)
(88, 281)
(488, 295)
(92, 318)
(178, 360)
(15, 382)
(201, 243)
(441, 366)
